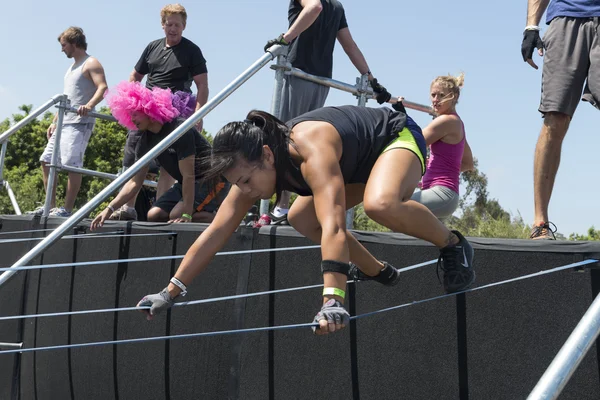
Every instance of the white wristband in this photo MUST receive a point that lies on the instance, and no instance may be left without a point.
(180, 285)
(532, 28)
(111, 208)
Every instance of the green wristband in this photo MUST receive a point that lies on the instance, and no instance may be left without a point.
(187, 216)
(334, 291)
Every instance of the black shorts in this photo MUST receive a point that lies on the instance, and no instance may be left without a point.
(203, 200)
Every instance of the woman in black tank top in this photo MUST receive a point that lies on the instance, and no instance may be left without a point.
(261, 156)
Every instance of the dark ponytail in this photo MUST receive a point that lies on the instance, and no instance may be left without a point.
(245, 140)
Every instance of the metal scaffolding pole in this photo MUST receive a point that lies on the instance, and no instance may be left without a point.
(130, 172)
(55, 155)
(4, 136)
(570, 355)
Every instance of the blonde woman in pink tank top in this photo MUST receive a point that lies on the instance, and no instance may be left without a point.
(449, 152)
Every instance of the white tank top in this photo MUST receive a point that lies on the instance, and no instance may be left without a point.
(79, 90)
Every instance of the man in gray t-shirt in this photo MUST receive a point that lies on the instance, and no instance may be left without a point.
(314, 27)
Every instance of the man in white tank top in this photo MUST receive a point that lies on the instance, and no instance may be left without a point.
(84, 84)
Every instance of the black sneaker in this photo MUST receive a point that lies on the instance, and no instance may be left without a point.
(457, 263)
(388, 276)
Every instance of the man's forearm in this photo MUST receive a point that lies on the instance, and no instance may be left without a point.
(187, 189)
(358, 59)
(535, 10)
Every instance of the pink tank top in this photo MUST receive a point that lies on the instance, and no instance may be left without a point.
(443, 166)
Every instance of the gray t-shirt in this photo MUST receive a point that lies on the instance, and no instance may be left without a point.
(312, 51)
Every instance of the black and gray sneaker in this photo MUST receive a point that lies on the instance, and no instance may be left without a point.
(457, 263)
(388, 276)
(282, 220)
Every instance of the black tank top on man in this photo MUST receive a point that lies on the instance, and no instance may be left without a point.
(365, 132)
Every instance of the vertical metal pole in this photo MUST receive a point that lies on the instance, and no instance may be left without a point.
(570, 355)
(275, 110)
(4, 183)
(362, 85)
(12, 197)
(83, 211)
(55, 155)
(2, 156)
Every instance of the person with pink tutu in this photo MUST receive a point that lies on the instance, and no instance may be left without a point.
(152, 114)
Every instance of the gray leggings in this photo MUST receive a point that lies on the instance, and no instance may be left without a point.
(440, 200)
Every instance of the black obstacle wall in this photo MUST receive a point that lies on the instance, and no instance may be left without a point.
(493, 343)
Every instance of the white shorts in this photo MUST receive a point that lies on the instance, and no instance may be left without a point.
(74, 139)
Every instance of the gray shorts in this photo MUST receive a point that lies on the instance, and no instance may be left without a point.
(299, 96)
(440, 200)
(74, 139)
(571, 60)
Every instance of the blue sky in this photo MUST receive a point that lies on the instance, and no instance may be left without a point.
(406, 44)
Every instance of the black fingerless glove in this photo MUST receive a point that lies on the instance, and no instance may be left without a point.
(280, 40)
(383, 96)
(531, 41)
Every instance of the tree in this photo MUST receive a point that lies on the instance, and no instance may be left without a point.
(592, 234)
(22, 166)
(482, 216)
(478, 214)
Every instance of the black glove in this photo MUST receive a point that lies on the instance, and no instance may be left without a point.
(383, 96)
(399, 107)
(531, 40)
(280, 40)
(333, 312)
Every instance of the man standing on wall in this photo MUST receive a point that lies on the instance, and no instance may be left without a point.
(172, 62)
(84, 85)
(571, 60)
(314, 26)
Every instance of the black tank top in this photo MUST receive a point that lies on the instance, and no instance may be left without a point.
(365, 132)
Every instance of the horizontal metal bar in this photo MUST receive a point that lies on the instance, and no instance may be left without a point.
(31, 231)
(30, 117)
(147, 259)
(489, 285)
(346, 87)
(90, 236)
(99, 174)
(155, 338)
(11, 345)
(292, 326)
(92, 114)
(187, 303)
